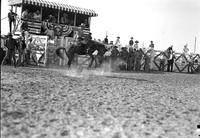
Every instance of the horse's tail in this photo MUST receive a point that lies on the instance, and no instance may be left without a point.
(58, 52)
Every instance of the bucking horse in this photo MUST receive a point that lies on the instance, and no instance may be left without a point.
(84, 49)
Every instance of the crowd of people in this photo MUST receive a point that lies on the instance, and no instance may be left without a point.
(135, 57)
(132, 56)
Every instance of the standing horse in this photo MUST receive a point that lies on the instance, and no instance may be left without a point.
(84, 49)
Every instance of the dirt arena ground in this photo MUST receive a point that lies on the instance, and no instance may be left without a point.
(55, 103)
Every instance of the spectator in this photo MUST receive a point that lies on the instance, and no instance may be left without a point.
(138, 58)
(24, 26)
(31, 55)
(106, 40)
(11, 47)
(152, 54)
(151, 45)
(3, 50)
(25, 14)
(170, 48)
(131, 58)
(117, 43)
(185, 49)
(135, 47)
(65, 19)
(30, 16)
(114, 52)
(54, 19)
(147, 62)
(86, 23)
(11, 19)
(37, 15)
(162, 63)
(131, 42)
(191, 68)
(170, 59)
(50, 33)
(124, 56)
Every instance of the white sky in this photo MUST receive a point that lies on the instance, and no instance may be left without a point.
(166, 22)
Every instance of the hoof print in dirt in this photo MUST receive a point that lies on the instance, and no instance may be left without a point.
(107, 122)
(117, 135)
(65, 133)
(14, 114)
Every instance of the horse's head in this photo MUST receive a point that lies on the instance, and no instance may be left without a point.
(102, 49)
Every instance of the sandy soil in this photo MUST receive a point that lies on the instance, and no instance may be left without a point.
(55, 103)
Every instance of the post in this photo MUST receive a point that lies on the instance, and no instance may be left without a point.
(89, 21)
(22, 7)
(195, 41)
(58, 16)
(75, 20)
(74, 23)
(15, 9)
(41, 13)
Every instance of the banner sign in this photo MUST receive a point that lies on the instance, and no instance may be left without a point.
(38, 48)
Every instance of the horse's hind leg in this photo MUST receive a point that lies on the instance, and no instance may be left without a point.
(91, 62)
(69, 63)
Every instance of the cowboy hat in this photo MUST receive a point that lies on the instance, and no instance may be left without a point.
(136, 41)
(118, 37)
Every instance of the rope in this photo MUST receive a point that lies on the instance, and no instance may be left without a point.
(4, 18)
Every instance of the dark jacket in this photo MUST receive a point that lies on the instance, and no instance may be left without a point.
(11, 43)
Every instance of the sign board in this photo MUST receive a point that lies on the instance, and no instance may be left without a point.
(38, 48)
(14, 2)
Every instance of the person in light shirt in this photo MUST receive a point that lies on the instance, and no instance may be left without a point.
(37, 15)
(25, 14)
(117, 43)
(135, 47)
(185, 49)
(50, 33)
(64, 19)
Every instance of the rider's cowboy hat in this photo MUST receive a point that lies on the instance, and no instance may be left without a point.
(118, 37)
(136, 41)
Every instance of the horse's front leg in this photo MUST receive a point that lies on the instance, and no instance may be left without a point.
(19, 58)
(91, 62)
(70, 59)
